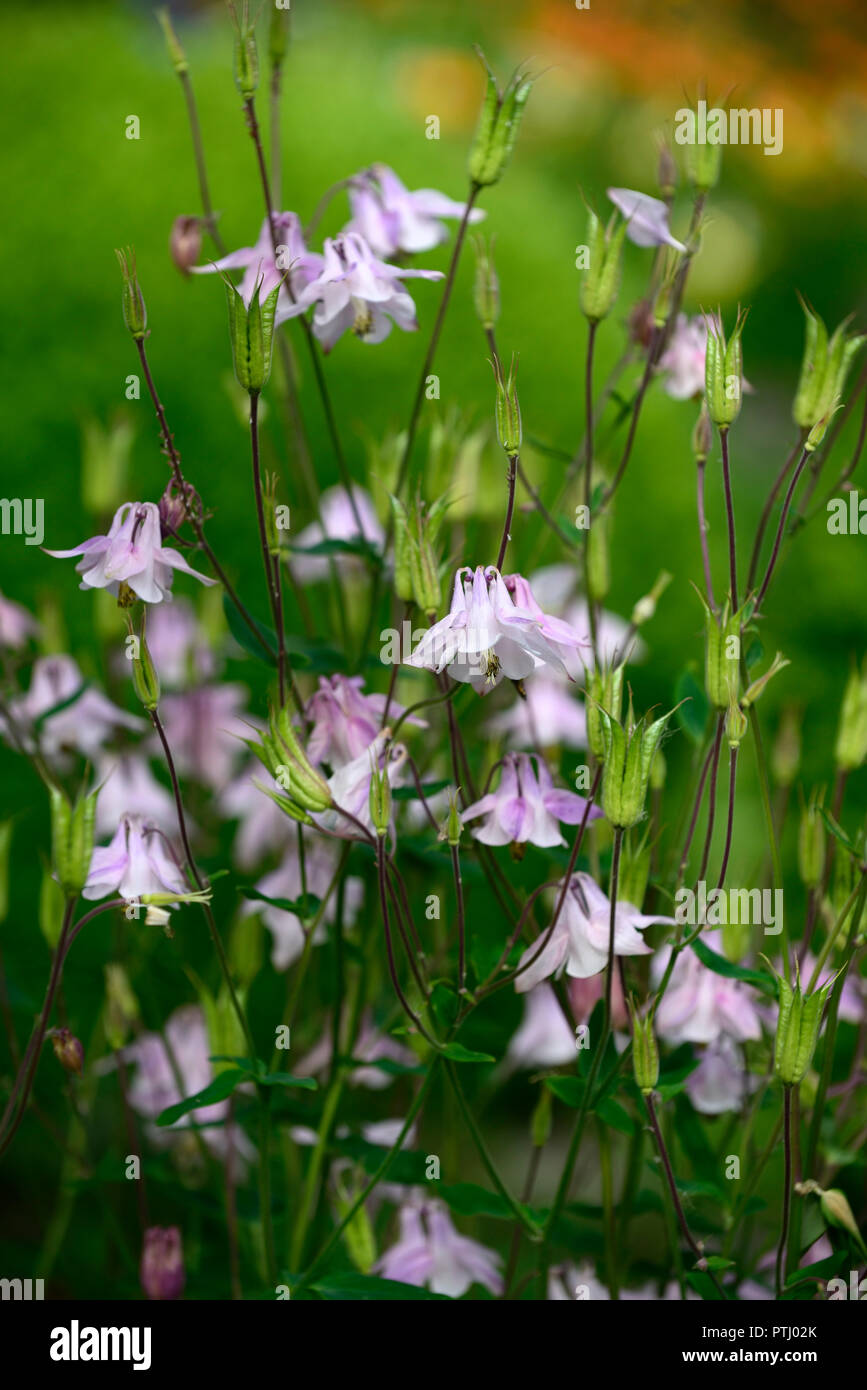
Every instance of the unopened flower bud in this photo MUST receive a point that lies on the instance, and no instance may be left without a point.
(185, 242)
(646, 606)
(666, 172)
(703, 160)
(736, 724)
(722, 655)
(451, 828)
(162, 1263)
(68, 1050)
(824, 369)
(837, 1212)
(134, 312)
(702, 435)
(498, 126)
(145, 681)
(597, 568)
(755, 688)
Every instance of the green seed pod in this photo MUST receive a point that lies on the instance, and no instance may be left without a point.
(379, 799)
(499, 122)
(604, 692)
(629, 753)
(722, 655)
(71, 839)
(145, 680)
(251, 331)
(601, 283)
(798, 1024)
(486, 288)
(508, 410)
(246, 54)
(645, 1052)
(724, 372)
(811, 843)
(173, 43)
(134, 312)
(850, 749)
(597, 568)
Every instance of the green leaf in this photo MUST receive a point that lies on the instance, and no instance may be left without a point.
(244, 637)
(304, 907)
(366, 1287)
(569, 1089)
(456, 1052)
(755, 652)
(718, 1262)
(219, 1089)
(470, 1199)
(331, 546)
(720, 966)
(692, 705)
(283, 1078)
(613, 1114)
(837, 831)
(388, 1065)
(60, 706)
(428, 788)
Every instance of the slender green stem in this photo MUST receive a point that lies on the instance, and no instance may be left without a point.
(787, 1187)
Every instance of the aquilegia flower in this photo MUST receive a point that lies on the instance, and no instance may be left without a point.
(84, 723)
(258, 262)
(393, 220)
(354, 290)
(350, 785)
(432, 1253)
(684, 357)
(526, 806)
(345, 719)
(646, 218)
(699, 1005)
(133, 554)
(16, 624)
(340, 522)
(579, 942)
(287, 883)
(486, 635)
(138, 861)
(549, 715)
(126, 780)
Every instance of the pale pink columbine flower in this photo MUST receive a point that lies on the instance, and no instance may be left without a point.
(154, 1086)
(526, 807)
(345, 719)
(544, 1038)
(646, 218)
(548, 716)
(286, 883)
(138, 861)
(131, 553)
(684, 357)
(584, 995)
(204, 729)
(487, 636)
(568, 1282)
(177, 646)
(431, 1253)
(262, 825)
(554, 589)
(721, 1081)
(260, 266)
(84, 725)
(340, 522)
(354, 290)
(392, 220)
(699, 1005)
(16, 624)
(350, 785)
(579, 942)
(370, 1046)
(126, 780)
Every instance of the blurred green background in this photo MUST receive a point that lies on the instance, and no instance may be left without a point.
(360, 81)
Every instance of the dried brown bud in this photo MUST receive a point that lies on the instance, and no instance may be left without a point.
(185, 242)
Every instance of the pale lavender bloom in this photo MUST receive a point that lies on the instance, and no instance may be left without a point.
(526, 807)
(350, 785)
(354, 290)
(345, 719)
(125, 782)
(83, 725)
(338, 524)
(684, 357)
(139, 860)
(549, 715)
(579, 942)
(487, 635)
(154, 1087)
(431, 1253)
(263, 826)
(613, 639)
(370, 1046)
(320, 860)
(568, 1282)
(132, 553)
(177, 647)
(646, 218)
(544, 1038)
(16, 624)
(261, 267)
(393, 220)
(699, 1005)
(720, 1082)
(204, 731)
